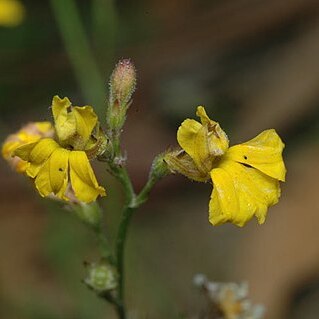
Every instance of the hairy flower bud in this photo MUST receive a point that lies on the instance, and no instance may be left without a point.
(122, 86)
(123, 82)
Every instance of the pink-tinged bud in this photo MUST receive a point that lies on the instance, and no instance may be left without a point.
(122, 83)
(122, 86)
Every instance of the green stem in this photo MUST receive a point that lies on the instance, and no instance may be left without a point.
(120, 245)
(81, 57)
(143, 195)
(133, 201)
(122, 175)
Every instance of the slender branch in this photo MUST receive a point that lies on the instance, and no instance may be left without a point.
(122, 175)
(121, 239)
(143, 195)
(133, 201)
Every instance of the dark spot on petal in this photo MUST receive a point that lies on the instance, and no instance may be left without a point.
(245, 157)
(60, 169)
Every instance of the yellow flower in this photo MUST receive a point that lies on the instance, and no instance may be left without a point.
(53, 166)
(58, 165)
(29, 133)
(11, 13)
(245, 176)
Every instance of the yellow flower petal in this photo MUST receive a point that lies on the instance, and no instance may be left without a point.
(73, 125)
(201, 113)
(9, 147)
(202, 142)
(83, 180)
(42, 150)
(86, 120)
(263, 152)
(191, 136)
(20, 166)
(65, 125)
(52, 178)
(44, 127)
(29, 133)
(239, 193)
(36, 154)
(217, 138)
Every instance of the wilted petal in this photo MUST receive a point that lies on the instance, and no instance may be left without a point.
(239, 193)
(36, 154)
(202, 141)
(191, 136)
(64, 120)
(53, 175)
(83, 180)
(180, 162)
(217, 138)
(73, 125)
(263, 152)
(86, 120)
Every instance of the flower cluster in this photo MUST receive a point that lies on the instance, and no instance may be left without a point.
(245, 176)
(59, 164)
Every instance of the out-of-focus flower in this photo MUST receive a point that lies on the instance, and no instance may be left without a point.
(228, 300)
(29, 133)
(245, 176)
(61, 167)
(12, 13)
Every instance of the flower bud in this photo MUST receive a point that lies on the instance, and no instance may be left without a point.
(101, 277)
(122, 86)
(123, 82)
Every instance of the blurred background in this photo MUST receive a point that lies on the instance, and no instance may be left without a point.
(253, 64)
